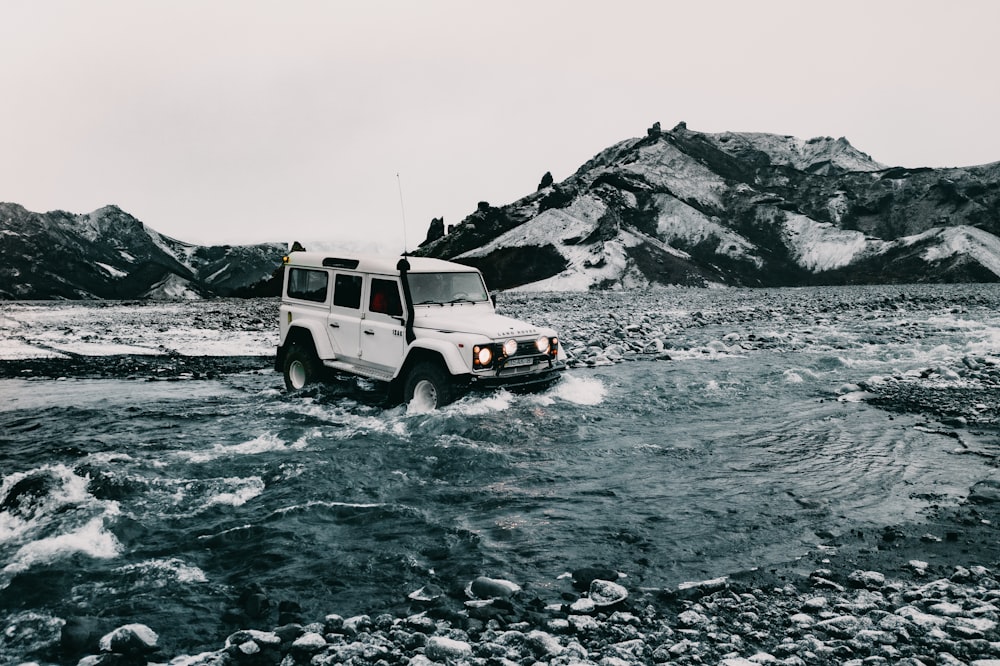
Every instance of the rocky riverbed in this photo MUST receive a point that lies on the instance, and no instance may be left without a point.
(184, 341)
(869, 599)
(918, 592)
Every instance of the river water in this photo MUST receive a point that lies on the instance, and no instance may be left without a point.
(161, 502)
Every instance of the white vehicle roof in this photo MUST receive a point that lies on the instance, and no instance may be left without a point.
(367, 263)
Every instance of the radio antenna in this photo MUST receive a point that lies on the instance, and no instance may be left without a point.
(402, 209)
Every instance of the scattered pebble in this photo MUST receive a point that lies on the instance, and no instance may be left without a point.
(903, 621)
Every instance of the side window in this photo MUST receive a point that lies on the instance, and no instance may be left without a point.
(385, 298)
(347, 291)
(307, 285)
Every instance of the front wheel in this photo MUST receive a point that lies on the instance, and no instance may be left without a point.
(428, 387)
(301, 368)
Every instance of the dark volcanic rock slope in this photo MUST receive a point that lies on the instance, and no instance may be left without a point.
(748, 209)
(110, 254)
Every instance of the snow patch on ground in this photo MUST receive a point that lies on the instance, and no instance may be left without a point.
(89, 347)
(589, 265)
(111, 270)
(678, 221)
(663, 166)
(217, 273)
(182, 252)
(820, 246)
(798, 153)
(57, 329)
(15, 350)
(172, 287)
(573, 222)
(981, 245)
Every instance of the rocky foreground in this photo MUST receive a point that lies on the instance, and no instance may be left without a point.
(915, 612)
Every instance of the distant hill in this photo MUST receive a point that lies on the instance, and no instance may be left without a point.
(741, 209)
(675, 207)
(108, 254)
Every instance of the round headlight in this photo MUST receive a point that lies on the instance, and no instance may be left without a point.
(510, 347)
(542, 344)
(484, 355)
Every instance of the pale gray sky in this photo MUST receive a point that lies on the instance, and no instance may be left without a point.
(237, 121)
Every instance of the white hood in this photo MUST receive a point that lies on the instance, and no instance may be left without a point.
(464, 319)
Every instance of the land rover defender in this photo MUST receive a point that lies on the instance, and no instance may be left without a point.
(427, 327)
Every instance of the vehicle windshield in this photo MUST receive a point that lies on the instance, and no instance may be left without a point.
(441, 288)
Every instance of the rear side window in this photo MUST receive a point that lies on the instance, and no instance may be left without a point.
(347, 291)
(308, 285)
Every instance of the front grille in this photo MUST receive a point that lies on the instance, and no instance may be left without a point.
(526, 348)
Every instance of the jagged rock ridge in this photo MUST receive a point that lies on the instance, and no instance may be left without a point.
(110, 254)
(743, 209)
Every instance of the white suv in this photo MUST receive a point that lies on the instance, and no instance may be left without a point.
(426, 326)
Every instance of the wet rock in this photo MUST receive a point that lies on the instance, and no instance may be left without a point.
(24, 495)
(333, 623)
(135, 642)
(440, 648)
(421, 624)
(606, 593)
(696, 589)
(358, 623)
(985, 492)
(492, 588)
(692, 618)
(308, 643)
(583, 624)
(871, 580)
(429, 592)
(544, 644)
(81, 635)
(814, 604)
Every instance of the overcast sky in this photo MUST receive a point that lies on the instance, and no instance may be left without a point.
(242, 121)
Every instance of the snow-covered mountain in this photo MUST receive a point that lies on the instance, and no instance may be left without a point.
(672, 207)
(110, 254)
(751, 209)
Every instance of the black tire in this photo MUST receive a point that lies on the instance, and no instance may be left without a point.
(301, 368)
(428, 382)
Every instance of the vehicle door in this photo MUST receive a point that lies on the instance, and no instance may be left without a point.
(344, 320)
(382, 331)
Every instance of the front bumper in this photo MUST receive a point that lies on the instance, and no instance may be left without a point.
(530, 379)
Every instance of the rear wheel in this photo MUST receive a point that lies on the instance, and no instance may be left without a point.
(301, 368)
(428, 387)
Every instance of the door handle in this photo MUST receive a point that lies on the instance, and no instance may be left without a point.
(334, 324)
(369, 331)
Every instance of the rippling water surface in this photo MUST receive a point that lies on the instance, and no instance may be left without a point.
(159, 502)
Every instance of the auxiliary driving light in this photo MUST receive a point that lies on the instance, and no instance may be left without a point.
(484, 355)
(542, 344)
(510, 347)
